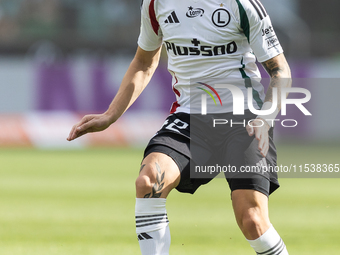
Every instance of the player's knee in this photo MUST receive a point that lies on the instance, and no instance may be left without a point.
(143, 184)
(251, 221)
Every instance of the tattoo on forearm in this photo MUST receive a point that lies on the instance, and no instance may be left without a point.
(273, 68)
(279, 72)
(157, 187)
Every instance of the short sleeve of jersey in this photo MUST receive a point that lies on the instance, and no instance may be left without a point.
(150, 37)
(257, 26)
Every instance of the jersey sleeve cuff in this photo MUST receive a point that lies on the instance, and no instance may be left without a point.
(147, 47)
(271, 55)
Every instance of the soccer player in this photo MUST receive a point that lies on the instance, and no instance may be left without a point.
(204, 40)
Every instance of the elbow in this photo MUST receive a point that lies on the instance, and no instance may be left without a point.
(286, 75)
(146, 61)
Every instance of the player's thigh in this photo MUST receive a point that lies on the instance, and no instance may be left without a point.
(159, 174)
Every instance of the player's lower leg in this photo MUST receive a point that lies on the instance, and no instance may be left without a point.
(251, 211)
(158, 176)
(152, 226)
(270, 243)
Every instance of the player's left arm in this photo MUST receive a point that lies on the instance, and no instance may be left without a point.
(257, 27)
(280, 77)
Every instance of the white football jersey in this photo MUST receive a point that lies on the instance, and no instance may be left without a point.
(210, 40)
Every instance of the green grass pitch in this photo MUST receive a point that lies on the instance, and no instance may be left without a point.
(82, 203)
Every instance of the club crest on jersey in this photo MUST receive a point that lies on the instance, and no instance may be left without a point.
(220, 17)
(194, 12)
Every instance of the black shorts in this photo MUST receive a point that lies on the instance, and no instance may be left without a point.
(195, 148)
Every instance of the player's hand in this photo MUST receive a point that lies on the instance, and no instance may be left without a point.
(89, 124)
(261, 134)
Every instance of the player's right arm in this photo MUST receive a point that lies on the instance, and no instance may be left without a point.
(135, 80)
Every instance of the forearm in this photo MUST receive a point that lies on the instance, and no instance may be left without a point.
(135, 80)
(131, 87)
(280, 77)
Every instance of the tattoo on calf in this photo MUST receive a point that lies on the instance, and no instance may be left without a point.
(141, 168)
(157, 187)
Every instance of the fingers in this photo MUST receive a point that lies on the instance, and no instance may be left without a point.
(80, 128)
(72, 136)
(261, 134)
(83, 127)
(77, 132)
(263, 144)
(250, 130)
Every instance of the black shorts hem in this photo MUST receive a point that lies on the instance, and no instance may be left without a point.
(161, 148)
(250, 185)
(186, 185)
